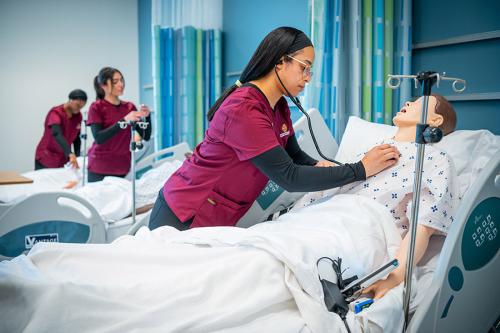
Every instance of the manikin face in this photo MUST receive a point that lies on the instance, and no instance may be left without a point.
(295, 70)
(409, 115)
(115, 86)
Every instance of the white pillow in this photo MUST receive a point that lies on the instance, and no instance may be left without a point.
(469, 150)
(359, 136)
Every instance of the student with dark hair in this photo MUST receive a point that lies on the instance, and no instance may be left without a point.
(110, 154)
(250, 140)
(61, 130)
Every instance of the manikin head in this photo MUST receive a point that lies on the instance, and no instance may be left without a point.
(440, 113)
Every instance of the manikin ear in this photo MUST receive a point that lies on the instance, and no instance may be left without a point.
(436, 120)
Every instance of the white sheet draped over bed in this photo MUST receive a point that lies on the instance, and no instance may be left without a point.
(111, 197)
(260, 279)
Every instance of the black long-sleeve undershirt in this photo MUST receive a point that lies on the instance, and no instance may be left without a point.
(298, 155)
(61, 140)
(102, 135)
(77, 144)
(280, 168)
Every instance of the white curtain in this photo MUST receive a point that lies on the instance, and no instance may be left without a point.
(201, 14)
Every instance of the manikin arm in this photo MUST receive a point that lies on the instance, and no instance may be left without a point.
(381, 287)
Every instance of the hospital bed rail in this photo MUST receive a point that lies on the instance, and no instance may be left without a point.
(176, 152)
(76, 221)
(466, 277)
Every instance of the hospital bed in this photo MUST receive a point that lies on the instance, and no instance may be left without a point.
(61, 216)
(457, 280)
(458, 272)
(463, 294)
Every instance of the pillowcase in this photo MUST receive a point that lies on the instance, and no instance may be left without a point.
(359, 136)
(469, 150)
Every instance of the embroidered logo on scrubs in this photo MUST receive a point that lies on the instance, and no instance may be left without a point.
(284, 130)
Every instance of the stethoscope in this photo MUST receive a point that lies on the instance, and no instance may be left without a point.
(296, 101)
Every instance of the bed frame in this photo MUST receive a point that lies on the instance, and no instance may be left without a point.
(34, 219)
(61, 216)
(464, 294)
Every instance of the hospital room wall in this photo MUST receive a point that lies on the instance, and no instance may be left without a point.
(49, 48)
(245, 23)
(243, 32)
(465, 44)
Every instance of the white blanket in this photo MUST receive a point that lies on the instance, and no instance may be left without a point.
(207, 279)
(111, 197)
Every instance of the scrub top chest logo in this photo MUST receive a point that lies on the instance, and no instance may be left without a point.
(284, 130)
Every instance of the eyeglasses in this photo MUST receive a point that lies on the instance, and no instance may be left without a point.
(307, 72)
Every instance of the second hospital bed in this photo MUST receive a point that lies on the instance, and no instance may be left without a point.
(61, 216)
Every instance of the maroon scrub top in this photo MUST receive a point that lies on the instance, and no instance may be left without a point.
(218, 183)
(113, 156)
(48, 152)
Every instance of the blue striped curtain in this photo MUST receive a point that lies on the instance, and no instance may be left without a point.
(186, 69)
(358, 43)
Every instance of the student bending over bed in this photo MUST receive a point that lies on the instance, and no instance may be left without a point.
(393, 187)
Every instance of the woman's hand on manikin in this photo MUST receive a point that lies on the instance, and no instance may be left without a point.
(380, 158)
(325, 164)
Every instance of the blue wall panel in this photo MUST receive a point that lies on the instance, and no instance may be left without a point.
(477, 61)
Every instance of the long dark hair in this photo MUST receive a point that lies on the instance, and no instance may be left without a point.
(104, 75)
(273, 47)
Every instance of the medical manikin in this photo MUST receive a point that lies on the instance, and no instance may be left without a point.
(393, 187)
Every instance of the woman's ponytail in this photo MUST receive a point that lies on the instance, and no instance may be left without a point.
(99, 92)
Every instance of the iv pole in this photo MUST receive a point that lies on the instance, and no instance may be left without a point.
(83, 136)
(143, 124)
(424, 134)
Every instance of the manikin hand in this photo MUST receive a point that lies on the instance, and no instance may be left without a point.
(381, 287)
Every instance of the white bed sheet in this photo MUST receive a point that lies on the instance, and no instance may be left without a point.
(112, 197)
(206, 279)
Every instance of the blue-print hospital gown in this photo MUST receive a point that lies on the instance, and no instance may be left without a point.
(393, 188)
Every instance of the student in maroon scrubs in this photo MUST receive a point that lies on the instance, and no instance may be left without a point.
(110, 154)
(251, 140)
(61, 130)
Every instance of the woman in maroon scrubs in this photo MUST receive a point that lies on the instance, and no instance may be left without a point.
(251, 140)
(61, 130)
(110, 154)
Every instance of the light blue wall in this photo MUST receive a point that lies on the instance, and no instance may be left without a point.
(145, 53)
(246, 23)
(477, 62)
(48, 48)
